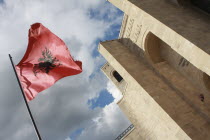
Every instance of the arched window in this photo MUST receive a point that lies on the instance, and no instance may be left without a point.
(117, 76)
(153, 48)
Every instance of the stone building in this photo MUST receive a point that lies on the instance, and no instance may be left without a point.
(161, 64)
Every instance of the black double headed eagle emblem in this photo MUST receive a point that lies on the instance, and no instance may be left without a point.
(46, 63)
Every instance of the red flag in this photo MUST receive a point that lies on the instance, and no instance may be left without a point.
(47, 59)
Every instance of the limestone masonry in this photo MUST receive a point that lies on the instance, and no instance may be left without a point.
(161, 64)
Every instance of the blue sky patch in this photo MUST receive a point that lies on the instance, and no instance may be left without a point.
(76, 133)
(104, 98)
(115, 30)
(95, 13)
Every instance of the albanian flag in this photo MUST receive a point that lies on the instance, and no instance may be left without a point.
(47, 59)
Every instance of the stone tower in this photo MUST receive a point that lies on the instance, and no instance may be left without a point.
(161, 64)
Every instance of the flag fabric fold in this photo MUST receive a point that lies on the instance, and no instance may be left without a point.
(47, 59)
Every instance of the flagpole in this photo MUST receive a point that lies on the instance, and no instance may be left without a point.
(28, 108)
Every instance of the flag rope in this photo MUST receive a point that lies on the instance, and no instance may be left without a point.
(28, 108)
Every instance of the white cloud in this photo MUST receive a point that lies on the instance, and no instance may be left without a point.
(62, 108)
(114, 91)
(104, 125)
(68, 138)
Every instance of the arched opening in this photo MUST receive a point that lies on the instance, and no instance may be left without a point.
(206, 80)
(117, 76)
(152, 48)
(156, 50)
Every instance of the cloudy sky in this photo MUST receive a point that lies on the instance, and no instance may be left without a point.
(80, 107)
